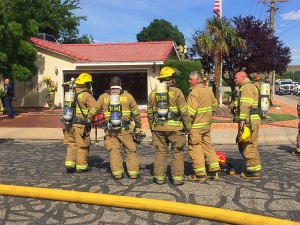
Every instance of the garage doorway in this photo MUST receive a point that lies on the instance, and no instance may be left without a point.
(134, 82)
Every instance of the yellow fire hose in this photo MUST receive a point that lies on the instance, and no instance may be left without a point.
(161, 206)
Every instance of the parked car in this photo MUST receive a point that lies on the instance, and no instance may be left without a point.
(284, 87)
(296, 90)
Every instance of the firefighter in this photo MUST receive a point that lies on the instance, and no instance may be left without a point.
(296, 152)
(51, 89)
(201, 105)
(77, 132)
(122, 117)
(168, 117)
(248, 125)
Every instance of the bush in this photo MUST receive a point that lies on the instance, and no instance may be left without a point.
(185, 67)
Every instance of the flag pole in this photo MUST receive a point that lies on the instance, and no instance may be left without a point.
(221, 79)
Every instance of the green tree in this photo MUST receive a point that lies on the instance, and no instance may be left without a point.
(161, 30)
(215, 41)
(22, 19)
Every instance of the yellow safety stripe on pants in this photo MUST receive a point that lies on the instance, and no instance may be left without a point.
(215, 106)
(133, 172)
(213, 165)
(200, 125)
(93, 111)
(70, 164)
(177, 178)
(135, 112)
(83, 167)
(298, 150)
(160, 177)
(117, 172)
(254, 168)
(126, 112)
(199, 170)
(255, 117)
(150, 110)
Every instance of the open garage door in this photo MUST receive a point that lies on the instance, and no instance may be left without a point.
(134, 82)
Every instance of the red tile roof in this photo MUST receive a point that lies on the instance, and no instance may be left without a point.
(111, 52)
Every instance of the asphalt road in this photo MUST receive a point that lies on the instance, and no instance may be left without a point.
(40, 164)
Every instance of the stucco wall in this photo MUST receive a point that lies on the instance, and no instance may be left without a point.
(33, 93)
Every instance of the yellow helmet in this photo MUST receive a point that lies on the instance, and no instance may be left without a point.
(204, 78)
(83, 78)
(45, 78)
(245, 134)
(167, 72)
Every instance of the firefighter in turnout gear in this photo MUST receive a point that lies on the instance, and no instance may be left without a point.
(201, 105)
(51, 89)
(248, 117)
(77, 132)
(122, 117)
(296, 152)
(168, 117)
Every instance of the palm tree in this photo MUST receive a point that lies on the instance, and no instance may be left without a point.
(217, 39)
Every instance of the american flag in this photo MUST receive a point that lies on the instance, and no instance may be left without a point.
(217, 8)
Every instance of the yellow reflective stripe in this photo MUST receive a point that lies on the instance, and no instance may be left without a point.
(149, 110)
(160, 177)
(254, 168)
(192, 111)
(136, 112)
(85, 111)
(204, 109)
(247, 100)
(133, 172)
(213, 165)
(179, 178)
(83, 167)
(117, 172)
(201, 169)
(255, 117)
(126, 113)
(243, 116)
(298, 150)
(70, 164)
(201, 125)
(168, 122)
(184, 108)
(215, 106)
(93, 111)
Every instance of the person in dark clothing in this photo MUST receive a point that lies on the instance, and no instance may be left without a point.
(8, 94)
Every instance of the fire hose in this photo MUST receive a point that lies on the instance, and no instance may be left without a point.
(154, 205)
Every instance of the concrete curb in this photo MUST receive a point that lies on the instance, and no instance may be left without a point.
(273, 135)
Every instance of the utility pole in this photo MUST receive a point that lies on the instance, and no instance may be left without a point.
(272, 13)
(272, 29)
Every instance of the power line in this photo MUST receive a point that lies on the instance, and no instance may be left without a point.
(272, 12)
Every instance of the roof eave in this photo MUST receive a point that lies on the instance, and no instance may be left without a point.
(148, 63)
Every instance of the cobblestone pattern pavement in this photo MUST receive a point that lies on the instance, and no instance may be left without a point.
(40, 164)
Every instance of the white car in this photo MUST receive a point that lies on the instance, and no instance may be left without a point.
(296, 90)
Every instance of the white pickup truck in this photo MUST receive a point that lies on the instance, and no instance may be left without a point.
(284, 87)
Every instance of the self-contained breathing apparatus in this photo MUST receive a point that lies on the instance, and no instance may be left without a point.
(69, 102)
(163, 112)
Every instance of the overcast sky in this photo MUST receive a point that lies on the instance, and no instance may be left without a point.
(120, 20)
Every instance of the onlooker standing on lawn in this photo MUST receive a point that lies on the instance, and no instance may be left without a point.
(8, 94)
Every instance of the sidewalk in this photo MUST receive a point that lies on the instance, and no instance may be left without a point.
(46, 125)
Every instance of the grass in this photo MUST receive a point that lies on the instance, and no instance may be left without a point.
(279, 117)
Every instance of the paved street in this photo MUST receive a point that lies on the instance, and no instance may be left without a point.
(40, 164)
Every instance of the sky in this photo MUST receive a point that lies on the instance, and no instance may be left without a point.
(121, 20)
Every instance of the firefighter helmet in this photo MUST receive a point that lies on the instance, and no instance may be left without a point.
(257, 77)
(83, 78)
(245, 134)
(45, 78)
(168, 72)
(221, 157)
